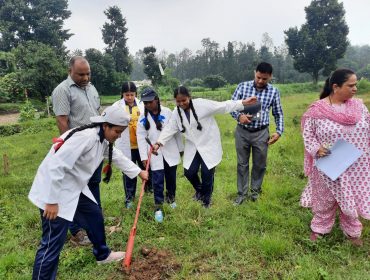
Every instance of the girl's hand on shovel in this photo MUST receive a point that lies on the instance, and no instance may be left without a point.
(144, 175)
(156, 146)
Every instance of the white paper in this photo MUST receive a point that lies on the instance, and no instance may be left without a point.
(343, 155)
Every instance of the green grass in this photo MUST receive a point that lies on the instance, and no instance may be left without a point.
(7, 108)
(263, 240)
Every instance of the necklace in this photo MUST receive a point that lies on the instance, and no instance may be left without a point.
(335, 104)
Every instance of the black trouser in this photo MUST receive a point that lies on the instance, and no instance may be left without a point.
(95, 190)
(129, 184)
(204, 187)
(89, 216)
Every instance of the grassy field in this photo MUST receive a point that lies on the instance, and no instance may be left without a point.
(268, 239)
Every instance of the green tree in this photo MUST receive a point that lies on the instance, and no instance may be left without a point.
(114, 35)
(33, 20)
(40, 68)
(11, 90)
(151, 65)
(247, 61)
(7, 63)
(230, 68)
(103, 74)
(214, 81)
(321, 41)
(196, 82)
(138, 67)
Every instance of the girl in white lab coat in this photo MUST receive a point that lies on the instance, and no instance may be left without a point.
(194, 118)
(128, 141)
(61, 193)
(163, 166)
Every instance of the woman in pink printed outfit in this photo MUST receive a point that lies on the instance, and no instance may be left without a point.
(337, 115)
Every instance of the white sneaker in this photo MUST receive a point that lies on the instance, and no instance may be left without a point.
(113, 257)
(158, 216)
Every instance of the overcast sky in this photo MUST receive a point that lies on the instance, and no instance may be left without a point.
(173, 25)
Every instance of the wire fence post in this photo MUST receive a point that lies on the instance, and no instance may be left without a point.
(6, 164)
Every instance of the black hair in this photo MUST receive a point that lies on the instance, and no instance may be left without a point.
(158, 123)
(107, 169)
(128, 87)
(184, 91)
(264, 67)
(339, 77)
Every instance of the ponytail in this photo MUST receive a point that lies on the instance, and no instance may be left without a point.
(108, 168)
(157, 118)
(59, 141)
(327, 89)
(184, 91)
(199, 126)
(146, 124)
(182, 122)
(338, 77)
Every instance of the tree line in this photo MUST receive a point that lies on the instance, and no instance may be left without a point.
(33, 57)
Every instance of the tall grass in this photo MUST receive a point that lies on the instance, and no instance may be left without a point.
(263, 240)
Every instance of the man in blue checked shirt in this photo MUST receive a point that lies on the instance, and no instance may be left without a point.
(252, 131)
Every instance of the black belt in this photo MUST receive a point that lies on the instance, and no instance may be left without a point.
(253, 129)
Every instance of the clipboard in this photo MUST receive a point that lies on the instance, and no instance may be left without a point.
(342, 156)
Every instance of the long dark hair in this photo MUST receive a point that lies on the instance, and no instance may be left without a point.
(156, 119)
(107, 169)
(184, 91)
(128, 87)
(339, 77)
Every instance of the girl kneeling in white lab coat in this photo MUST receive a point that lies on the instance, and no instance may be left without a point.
(163, 165)
(194, 118)
(61, 193)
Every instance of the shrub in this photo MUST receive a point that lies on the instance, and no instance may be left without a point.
(214, 81)
(363, 86)
(29, 127)
(196, 82)
(11, 89)
(27, 112)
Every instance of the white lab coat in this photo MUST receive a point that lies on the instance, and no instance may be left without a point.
(64, 174)
(170, 152)
(123, 143)
(206, 141)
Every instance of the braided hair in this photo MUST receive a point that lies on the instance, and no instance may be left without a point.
(158, 123)
(107, 169)
(184, 91)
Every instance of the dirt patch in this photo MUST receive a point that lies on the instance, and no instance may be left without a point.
(152, 264)
(9, 118)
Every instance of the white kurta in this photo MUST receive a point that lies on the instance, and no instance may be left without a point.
(206, 141)
(62, 176)
(170, 152)
(123, 143)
